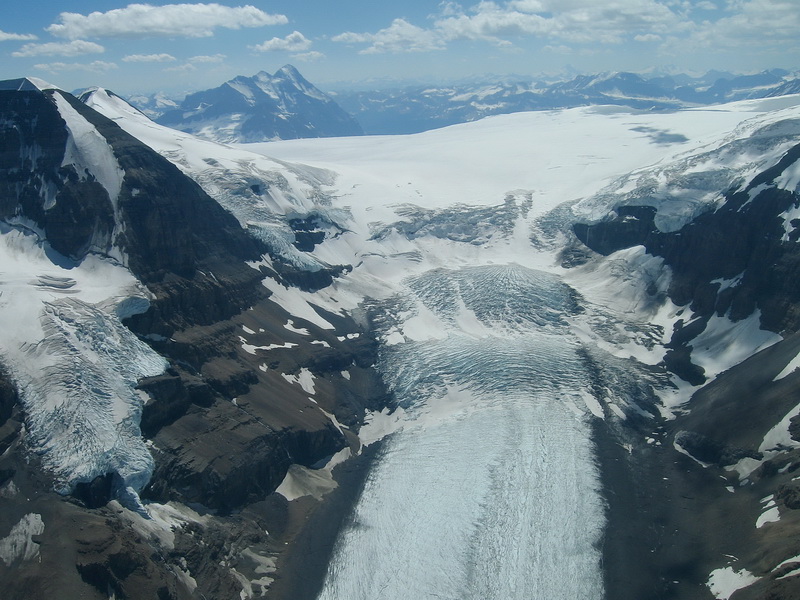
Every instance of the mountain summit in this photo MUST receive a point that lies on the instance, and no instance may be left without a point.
(261, 108)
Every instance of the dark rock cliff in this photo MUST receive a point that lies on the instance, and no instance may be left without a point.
(745, 241)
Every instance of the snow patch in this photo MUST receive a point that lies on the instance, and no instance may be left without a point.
(300, 330)
(19, 544)
(301, 481)
(296, 302)
(304, 378)
(725, 581)
(771, 514)
(88, 150)
(724, 343)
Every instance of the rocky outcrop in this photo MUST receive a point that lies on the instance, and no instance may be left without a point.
(699, 514)
(741, 257)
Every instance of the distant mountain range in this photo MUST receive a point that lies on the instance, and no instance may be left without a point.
(420, 108)
(286, 106)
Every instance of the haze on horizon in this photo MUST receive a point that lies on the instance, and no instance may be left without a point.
(183, 47)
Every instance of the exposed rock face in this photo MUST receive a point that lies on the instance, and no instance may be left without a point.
(31, 175)
(702, 515)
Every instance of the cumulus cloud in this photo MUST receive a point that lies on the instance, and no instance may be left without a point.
(148, 58)
(312, 56)
(145, 20)
(678, 26)
(581, 21)
(97, 66)
(16, 37)
(73, 48)
(294, 42)
(190, 66)
(400, 36)
(647, 37)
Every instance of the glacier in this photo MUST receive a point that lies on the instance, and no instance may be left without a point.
(495, 444)
(500, 358)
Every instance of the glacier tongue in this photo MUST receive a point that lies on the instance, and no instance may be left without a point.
(464, 500)
(75, 363)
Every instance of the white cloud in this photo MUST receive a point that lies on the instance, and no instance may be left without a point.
(528, 6)
(400, 36)
(184, 68)
(294, 42)
(73, 48)
(492, 21)
(581, 21)
(574, 21)
(764, 25)
(148, 58)
(97, 66)
(450, 9)
(312, 56)
(680, 26)
(190, 66)
(143, 20)
(16, 37)
(213, 59)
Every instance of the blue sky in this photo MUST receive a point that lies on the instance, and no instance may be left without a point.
(180, 47)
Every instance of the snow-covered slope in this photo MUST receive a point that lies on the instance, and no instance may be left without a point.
(133, 305)
(263, 193)
(541, 160)
(76, 365)
(479, 193)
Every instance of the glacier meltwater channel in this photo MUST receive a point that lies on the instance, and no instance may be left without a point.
(490, 490)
